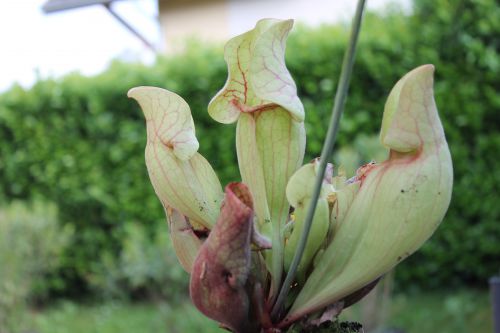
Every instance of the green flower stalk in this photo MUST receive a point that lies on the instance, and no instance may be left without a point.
(237, 244)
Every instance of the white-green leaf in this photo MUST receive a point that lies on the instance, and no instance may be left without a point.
(257, 74)
(181, 177)
(185, 242)
(299, 191)
(261, 95)
(399, 204)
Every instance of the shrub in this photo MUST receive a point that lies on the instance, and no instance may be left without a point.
(145, 268)
(31, 242)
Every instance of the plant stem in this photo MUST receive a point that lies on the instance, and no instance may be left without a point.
(338, 108)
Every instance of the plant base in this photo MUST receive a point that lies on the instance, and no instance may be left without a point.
(329, 327)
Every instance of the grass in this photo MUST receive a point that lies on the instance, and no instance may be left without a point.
(456, 313)
(463, 311)
(122, 318)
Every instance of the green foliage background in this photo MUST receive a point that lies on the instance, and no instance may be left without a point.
(78, 141)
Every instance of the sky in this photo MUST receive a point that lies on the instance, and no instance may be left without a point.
(34, 44)
(310, 12)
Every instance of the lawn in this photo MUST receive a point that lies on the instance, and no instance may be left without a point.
(461, 312)
(467, 312)
(122, 318)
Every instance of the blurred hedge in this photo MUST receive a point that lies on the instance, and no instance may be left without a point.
(31, 243)
(78, 141)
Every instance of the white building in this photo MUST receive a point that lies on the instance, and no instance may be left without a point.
(218, 20)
